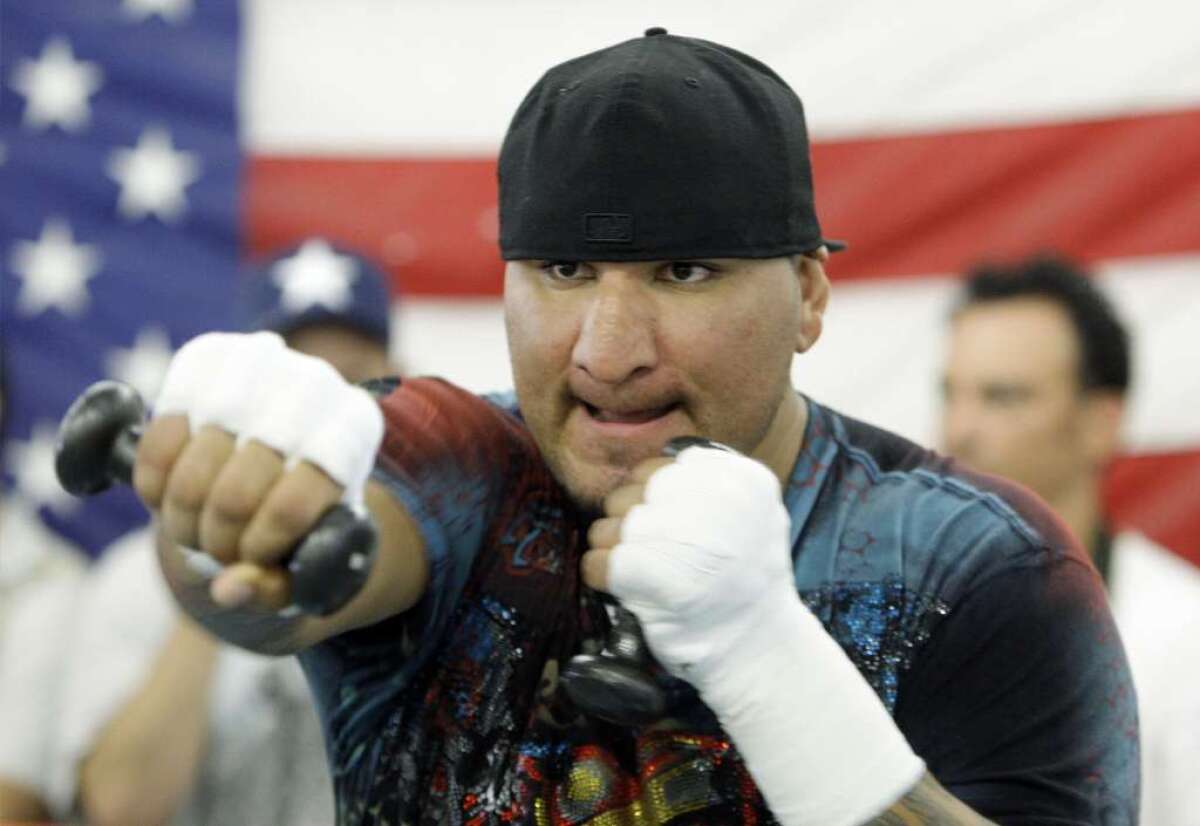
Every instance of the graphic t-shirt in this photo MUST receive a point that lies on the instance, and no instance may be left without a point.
(981, 627)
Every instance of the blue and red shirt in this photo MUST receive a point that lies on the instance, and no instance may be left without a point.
(961, 601)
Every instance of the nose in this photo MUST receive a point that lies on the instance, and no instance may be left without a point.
(617, 336)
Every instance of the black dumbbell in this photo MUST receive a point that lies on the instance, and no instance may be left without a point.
(97, 443)
(615, 685)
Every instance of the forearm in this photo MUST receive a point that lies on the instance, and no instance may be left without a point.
(818, 742)
(856, 743)
(852, 740)
(396, 583)
(928, 804)
(145, 761)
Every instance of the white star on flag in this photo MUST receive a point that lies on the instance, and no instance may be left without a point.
(143, 365)
(56, 87)
(316, 274)
(153, 176)
(33, 464)
(54, 270)
(172, 11)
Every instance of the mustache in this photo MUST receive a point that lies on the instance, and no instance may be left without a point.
(623, 402)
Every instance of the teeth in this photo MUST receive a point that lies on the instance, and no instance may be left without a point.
(633, 417)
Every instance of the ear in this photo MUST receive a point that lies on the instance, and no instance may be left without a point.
(1101, 424)
(814, 296)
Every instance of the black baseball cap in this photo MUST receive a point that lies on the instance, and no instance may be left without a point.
(657, 148)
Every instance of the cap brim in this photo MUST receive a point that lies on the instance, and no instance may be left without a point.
(834, 246)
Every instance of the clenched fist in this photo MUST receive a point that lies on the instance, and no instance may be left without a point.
(697, 547)
(250, 444)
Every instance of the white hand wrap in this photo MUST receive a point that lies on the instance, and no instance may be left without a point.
(255, 387)
(705, 564)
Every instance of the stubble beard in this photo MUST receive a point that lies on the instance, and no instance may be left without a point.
(587, 484)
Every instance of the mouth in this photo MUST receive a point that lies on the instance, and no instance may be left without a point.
(606, 441)
(627, 417)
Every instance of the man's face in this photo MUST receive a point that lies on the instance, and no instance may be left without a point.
(612, 359)
(1013, 405)
(356, 356)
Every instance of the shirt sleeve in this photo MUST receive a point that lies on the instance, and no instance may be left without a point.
(1021, 703)
(450, 458)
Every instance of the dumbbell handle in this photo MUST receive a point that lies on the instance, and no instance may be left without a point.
(97, 446)
(124, 454)
(616, 684)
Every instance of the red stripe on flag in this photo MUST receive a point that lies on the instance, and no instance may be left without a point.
(910, 205)
(918, 205)
(430, 222)
(1158, 495)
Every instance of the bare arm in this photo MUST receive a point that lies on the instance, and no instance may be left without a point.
(396, 583)
(135, 774)
(928, 804)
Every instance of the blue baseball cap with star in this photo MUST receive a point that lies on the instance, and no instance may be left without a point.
(316, 282)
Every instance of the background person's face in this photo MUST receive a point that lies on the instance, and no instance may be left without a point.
(610, 360)
(1013, 405)
(356, 356)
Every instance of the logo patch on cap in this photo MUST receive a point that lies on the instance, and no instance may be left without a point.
(608, 227)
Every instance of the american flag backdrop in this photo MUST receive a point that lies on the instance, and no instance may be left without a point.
(149, 145)
(120, 218)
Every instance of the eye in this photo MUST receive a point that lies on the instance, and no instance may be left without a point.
(688, 272)
(1006, 395)
(563, 270)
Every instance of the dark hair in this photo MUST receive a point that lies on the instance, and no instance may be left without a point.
(1103, 339)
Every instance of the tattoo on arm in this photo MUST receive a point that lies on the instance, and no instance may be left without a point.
(928, 804)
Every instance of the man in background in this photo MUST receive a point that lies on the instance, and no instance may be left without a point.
(39, 577)
(1035, 389)
(326, 301)
(161, 722)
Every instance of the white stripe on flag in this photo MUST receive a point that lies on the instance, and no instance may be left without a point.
(365, 76)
